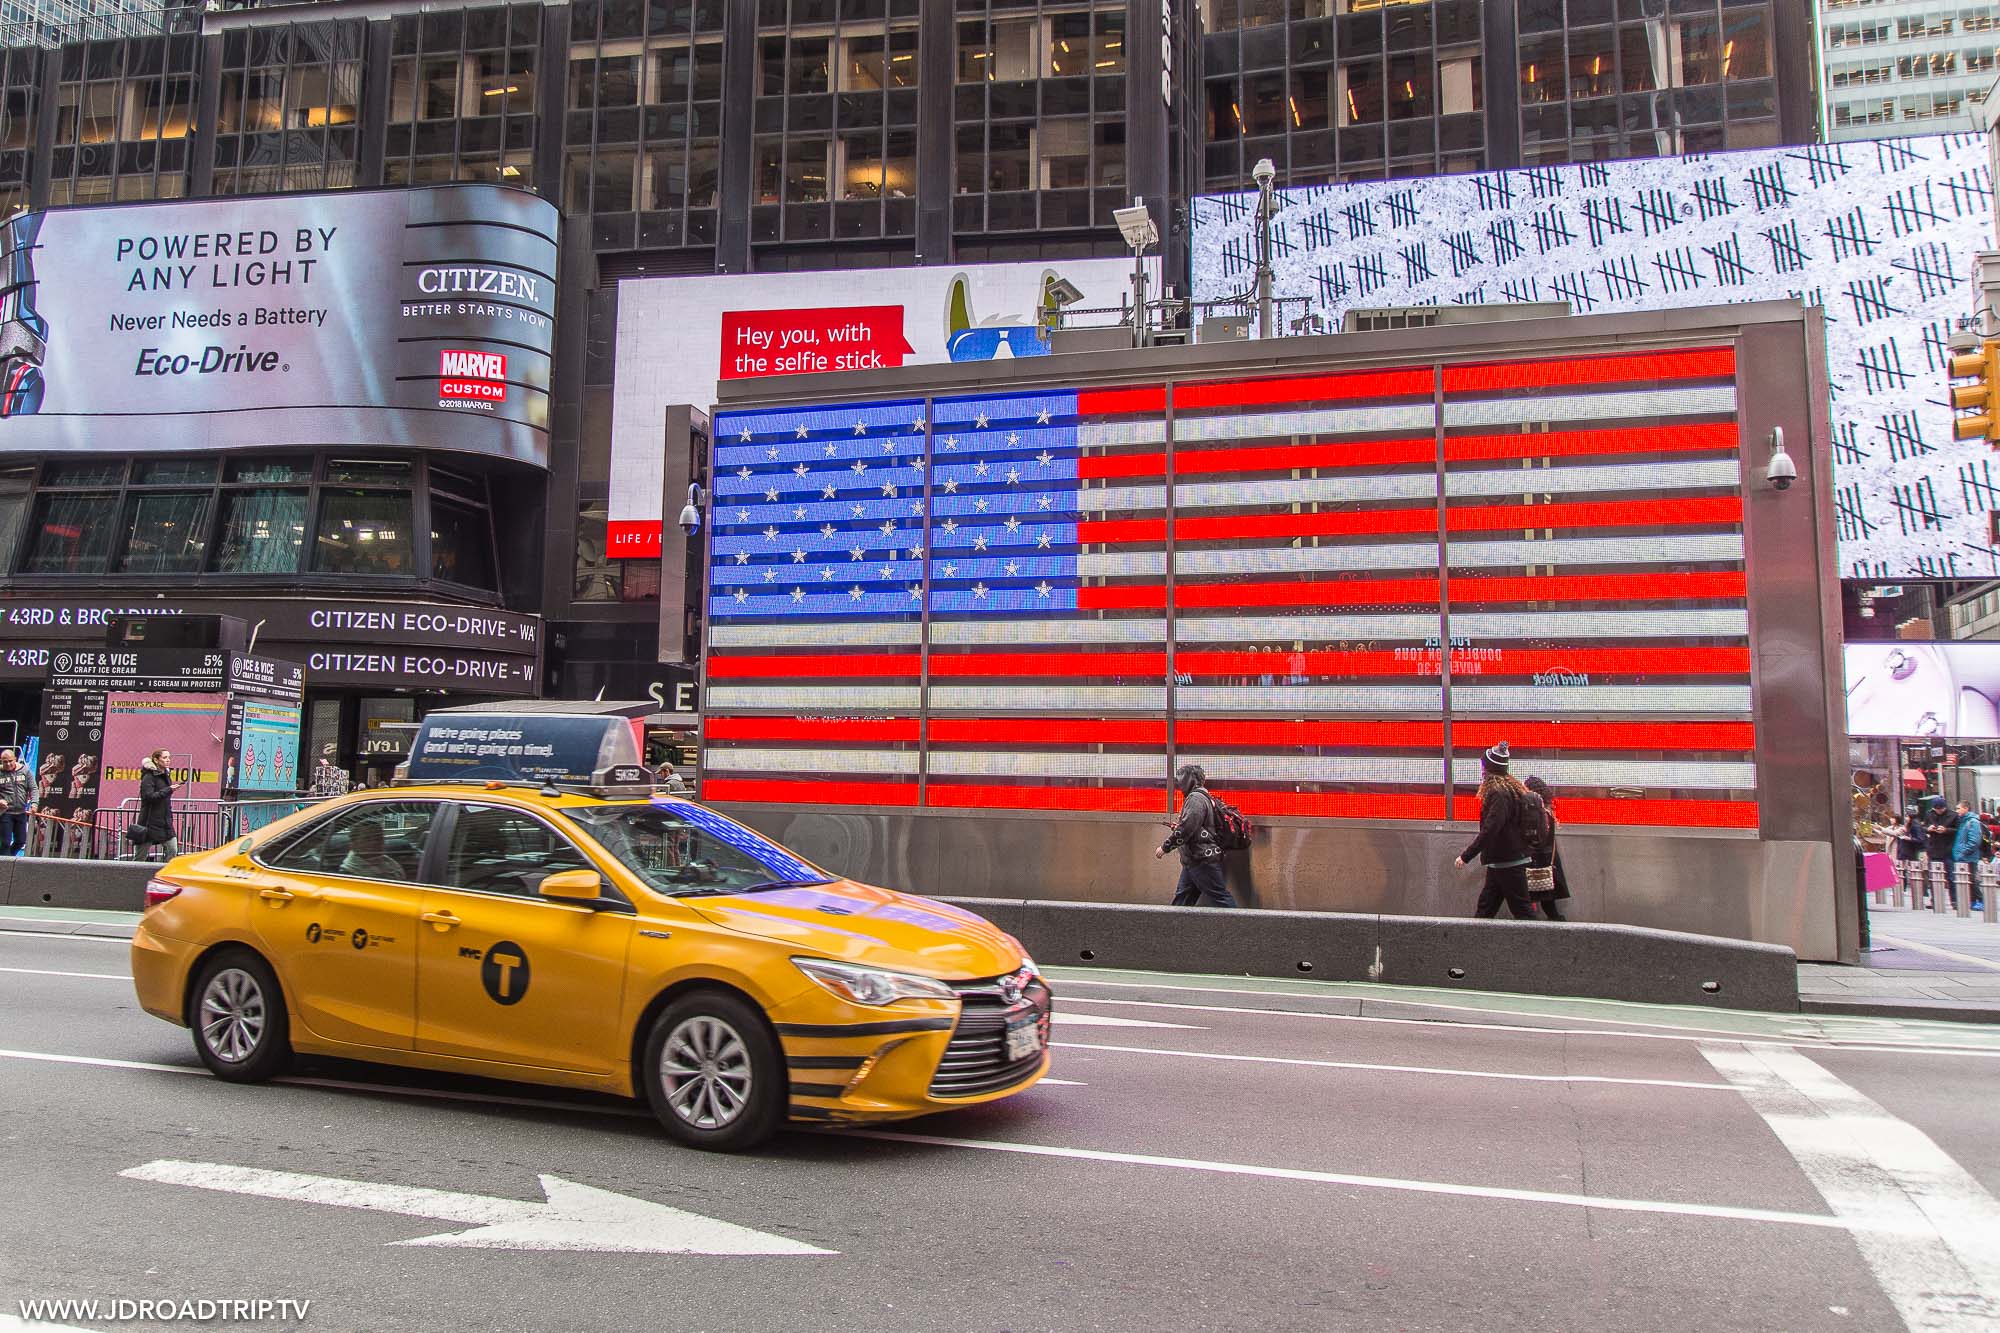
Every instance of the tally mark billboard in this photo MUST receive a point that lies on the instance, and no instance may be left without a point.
(1881, 234)
(421, 316)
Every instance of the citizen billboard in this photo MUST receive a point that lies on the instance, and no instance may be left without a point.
(421, 317)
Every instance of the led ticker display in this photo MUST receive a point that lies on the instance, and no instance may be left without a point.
(1047, 599)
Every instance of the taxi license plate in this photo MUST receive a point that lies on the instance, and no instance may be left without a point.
(1024, 1037)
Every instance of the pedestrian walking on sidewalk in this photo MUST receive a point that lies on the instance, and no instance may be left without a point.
(155, 825)
(18, 794)
(1547, 858)
(1969, 846)
(1940, 836)
(1202, 880)
(1508, 812)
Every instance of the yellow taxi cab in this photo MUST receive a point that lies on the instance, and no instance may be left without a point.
(647, 947)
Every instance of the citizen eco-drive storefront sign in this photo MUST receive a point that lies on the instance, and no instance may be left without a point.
(419, 317)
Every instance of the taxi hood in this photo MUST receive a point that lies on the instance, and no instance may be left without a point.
(858, 923)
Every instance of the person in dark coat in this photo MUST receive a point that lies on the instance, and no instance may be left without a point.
(1549, 857)
(1202, 879)
(1940, 834)
(156, 806)
(1500, 843)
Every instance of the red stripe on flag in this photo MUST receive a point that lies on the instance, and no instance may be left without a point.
(1707, 436)
(1487, 662)
(1694, 363)
(1303, 389)
(1477, 735)
(950, 795)
(816, 666)
(1702, 510)
(1031, 731)
(1120, 402)
(1121, 465)
(1652, 814)
(808, 791)
(1119, 530)
(1283, 457)
(808, 729)
(1122, 598)
(1337, 804)
(1245, 733)
(1049, 664)
(1598, 588)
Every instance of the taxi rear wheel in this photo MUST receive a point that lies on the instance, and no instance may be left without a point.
(237, 1012)
(713, 1074)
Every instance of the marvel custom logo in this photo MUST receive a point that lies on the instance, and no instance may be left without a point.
(481, 375)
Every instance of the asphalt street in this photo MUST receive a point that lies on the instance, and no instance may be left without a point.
(1217, 1154)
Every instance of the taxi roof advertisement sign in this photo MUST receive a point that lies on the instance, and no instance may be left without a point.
(421, 316)
(519, 747)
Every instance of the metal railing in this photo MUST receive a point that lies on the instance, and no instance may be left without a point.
(198, 826)
(1947, 889)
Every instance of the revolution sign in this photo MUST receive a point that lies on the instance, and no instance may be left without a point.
(415, 317)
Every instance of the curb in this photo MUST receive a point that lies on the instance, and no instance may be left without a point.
(1935, 1010)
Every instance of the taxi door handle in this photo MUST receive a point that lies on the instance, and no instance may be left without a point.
(279, 897)
(439, 921)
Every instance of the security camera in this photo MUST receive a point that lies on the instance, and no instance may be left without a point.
(1781, 471)
(1264, 173)
(690, 514)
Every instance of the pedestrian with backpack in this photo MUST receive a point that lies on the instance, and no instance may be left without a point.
(1547, 885)
(1512, 824)
(1195, 834)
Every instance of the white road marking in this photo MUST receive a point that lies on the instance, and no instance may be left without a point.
(49, 1057)
(1942, 1272)
(48, 972)
(1973, 960)
(1399, 1069)
(59, 935)
(1065, 1017)
(1722, 1211)
(575, 1217)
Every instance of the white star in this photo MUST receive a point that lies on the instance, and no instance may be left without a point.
(1043, 501)
(979, 591)
(1042, 417)
(951, 571)
(1043, 587)
(826, 531)
(802, 430)
(829, 448)
(742, 557)
(826, 574)
(855, 592)
(1013, 438)
(916, 426)
(918, 463)
(1013, 476)
(743, 472)
(772, 452)
(799, 556)
(1045, 458)
(798, 594)
(951, 444)
(1013, 524)
(950, 526)
(800, 470)
(888, 528)
(858, 509)
(770, 534)
(981, 422)
(916, 509)
(979, 541)
(916, 552)
(742, 596)
(860, 428)
(798, 511)
(745, 437)
(916, 592)
(860, 466)
(771, 494)
(980, 468)
(1013, 568)
(742, 516)
(770, 575)
(889, 488)
(857, 553)
(826, 492)
(1043, 541)
(980, 504)
(951, 485)
(888, 446)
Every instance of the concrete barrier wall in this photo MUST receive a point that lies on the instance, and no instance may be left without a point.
(1532, 958)
(110, 886)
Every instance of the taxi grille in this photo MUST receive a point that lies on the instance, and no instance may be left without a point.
(975, 1061)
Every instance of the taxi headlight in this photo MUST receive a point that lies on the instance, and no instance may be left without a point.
(871, 985)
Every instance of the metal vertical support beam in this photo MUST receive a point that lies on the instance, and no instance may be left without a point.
(924, 615)
(1500, 36)
(376, 74)
(551, 88)
(42, 153)
(681, 468)
(1152, 27)
(937, 52)
(1173, 690)
(1444, 581)
(1794, 44)
(207, 119)
(739, 143)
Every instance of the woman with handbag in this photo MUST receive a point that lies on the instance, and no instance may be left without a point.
(155, 825)
(1547, 885)
(1500, 842)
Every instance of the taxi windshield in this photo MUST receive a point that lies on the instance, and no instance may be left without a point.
(683, 850)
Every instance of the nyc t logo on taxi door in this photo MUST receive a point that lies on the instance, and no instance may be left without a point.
(504, 972)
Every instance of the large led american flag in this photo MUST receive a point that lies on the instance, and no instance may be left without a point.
(1330, 590)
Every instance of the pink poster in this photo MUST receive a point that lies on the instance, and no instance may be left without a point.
(189, 726)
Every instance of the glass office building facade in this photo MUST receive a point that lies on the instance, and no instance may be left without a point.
(1906, 66)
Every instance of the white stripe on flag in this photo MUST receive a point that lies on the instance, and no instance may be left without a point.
(1034, 699)
(841, 698)
(1716, 400)
(806, 763)
(1326, 698)
(1116, 564)
(986, 631)
(1243, 767)
(1684, 475)
(1308, 490)
(1046, 764)
(1122, 500)
(1322, 421)
(1193, 627)
(1540, 701)
(815, 634)
(1111, 434)
(1675, 623)
(1622, 773)
(1294, 559)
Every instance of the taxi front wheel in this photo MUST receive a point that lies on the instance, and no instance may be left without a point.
(238, 1017)
(713, 1073)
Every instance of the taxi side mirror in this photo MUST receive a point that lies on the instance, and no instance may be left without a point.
(572, 886)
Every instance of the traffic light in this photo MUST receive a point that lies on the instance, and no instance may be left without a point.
(1979, 401)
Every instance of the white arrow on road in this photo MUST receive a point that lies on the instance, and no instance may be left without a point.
(576, 1217)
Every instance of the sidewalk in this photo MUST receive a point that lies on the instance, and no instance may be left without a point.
(1921, 965)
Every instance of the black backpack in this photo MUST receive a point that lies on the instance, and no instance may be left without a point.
(1531, 819)
(1232, 828)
